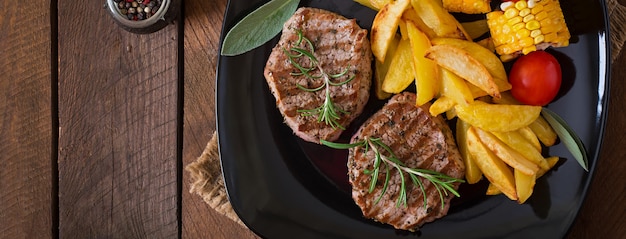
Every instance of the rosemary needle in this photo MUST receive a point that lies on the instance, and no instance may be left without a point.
(442, 182)
(328, 112)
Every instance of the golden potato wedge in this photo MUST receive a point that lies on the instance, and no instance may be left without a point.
(378, 4)
(506, 153)
(487, 43)
(438, 19)
(489, 59)
(368, 4)
(411, 15)
(461, 63)
(382, 68)
(498, 118)
(400, 73)
(468, 6)
(403, 31)
(452, 86)
(544, 131)
(472, 172)
(385, 26)
(451, 114)
(552, 161)
(524, 184)
(492, 190)
(426, 72)
(517, 141)
(506, 98)
(476, 29)
(441, 104)
(531, 137)
(496, 171)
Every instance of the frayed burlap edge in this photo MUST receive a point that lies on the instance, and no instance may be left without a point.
(617, 16)
(207, 174)
(208, 182)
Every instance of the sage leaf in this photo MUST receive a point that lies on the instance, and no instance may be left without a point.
(258, 27)
(568, 137)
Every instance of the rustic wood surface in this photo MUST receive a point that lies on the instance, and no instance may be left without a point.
(96, 124)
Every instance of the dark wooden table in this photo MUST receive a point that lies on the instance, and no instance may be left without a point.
(98, 123)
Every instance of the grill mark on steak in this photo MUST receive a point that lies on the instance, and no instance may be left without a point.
(338, 43)
(419, 141)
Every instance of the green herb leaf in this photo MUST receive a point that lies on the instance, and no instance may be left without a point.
(258, 27)
(443, 183)
(568, 137)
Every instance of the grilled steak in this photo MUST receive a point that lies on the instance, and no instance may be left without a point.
(340, 45)
(419, 141)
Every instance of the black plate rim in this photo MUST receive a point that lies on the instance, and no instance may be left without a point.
(604, 68)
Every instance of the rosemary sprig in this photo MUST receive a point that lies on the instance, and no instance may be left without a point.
(328, 112)
(442, 182)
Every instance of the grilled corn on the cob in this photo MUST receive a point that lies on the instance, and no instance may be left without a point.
(525, 26)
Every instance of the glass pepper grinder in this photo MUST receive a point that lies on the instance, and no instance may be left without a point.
(143, 16)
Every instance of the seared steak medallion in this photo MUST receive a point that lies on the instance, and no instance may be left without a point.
(419, 141)
(340, 46)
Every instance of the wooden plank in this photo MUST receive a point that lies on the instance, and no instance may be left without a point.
(118, 136)
(26, 175)
(203, 23)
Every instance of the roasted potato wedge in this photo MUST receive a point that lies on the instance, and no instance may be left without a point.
(517, 141)
(385, 26)
(524, 184)
(530, 136)
(382, 68)
(438, 19)
(368, 4)
(476, 29)
(400, 73)
(544, 131)
(491, 62)
(472, 172)
(426, 71)
(498, 118)
(411, 15)
(461, 63)
(441, 105)
(452, 86)
(506, 153)
(494, 169)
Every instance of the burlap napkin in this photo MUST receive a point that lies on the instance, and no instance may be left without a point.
(206, 172)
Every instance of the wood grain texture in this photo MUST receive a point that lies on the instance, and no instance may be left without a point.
(26, 176)
(118, 118)
(203, 23)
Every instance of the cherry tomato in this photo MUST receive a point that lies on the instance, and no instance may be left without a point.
(535, 78)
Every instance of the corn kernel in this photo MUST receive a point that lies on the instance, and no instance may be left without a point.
(540, 16)
(518, 26)
(529, 49)
(550, 37)
(537, 9)
(521, 5)
(507, 58)
(522, 33)
(533, 25)
(532, 3)
(539, 39)
(514, 21)
(506, 5)
(526, 41)
(511, 12)
(528, 18)
(535, 33)
(524, 12)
